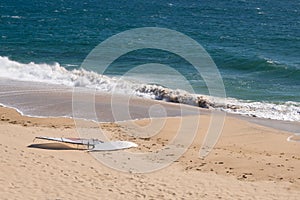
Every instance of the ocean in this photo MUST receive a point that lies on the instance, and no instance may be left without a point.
(255, 45)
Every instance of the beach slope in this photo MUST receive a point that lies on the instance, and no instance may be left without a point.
(248, 162)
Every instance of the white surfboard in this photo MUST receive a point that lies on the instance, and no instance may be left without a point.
(113, 145)
(93, 144)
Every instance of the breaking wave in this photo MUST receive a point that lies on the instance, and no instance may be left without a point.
(56, 74)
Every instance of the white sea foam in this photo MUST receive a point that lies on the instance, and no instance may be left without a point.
(13, 16)
(288, 111)
(56, 74)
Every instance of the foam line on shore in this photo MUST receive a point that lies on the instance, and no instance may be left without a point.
(56, 74)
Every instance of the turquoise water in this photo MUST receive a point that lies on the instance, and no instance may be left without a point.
(255, 44)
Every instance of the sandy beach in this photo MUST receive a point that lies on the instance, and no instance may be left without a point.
(249, 162)
(155, 100)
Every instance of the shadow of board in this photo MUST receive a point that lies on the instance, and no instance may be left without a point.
(56, 146)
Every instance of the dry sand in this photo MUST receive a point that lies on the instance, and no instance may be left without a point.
(248, 162)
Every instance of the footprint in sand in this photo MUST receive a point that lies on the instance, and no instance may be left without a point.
(3, 118)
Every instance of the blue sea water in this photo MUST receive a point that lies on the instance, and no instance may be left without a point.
(255, 44)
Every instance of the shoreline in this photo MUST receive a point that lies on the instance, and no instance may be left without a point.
(288, 126)
(48, 99)
(246, 155)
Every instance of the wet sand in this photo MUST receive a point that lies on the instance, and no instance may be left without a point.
(49, 100)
